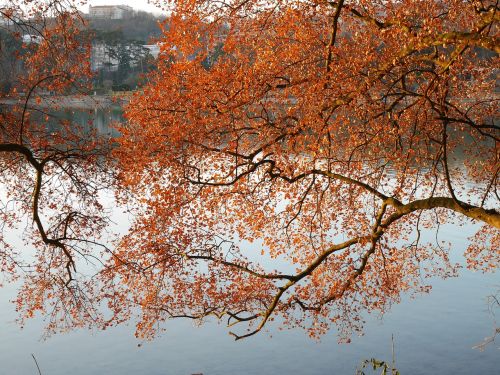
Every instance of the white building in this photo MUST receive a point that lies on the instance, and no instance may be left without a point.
(154, 49)
(29, 38)
(113, 12)
(100, 58)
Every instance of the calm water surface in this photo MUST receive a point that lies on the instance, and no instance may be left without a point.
(433, 334)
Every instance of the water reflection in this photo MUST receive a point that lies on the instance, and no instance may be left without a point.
(434, 334)
(98, 119)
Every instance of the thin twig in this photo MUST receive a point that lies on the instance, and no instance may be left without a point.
(36, 363)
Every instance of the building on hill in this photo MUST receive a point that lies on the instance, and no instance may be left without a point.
(113, 12)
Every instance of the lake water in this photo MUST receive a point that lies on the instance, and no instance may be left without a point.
(433, 334)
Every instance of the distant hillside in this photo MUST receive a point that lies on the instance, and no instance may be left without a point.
(141, 27)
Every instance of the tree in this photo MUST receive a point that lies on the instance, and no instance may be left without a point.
(126, 59)
(129, 56)
(291, 177)
(51, 170)
(281, 162)
(8, 64)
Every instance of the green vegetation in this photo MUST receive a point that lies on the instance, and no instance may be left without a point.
(9, 65)
(120, 42)
(375, 364)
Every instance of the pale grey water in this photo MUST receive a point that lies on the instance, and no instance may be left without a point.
(433, 334)
(98, 118)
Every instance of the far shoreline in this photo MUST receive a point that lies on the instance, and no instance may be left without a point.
(83, 102)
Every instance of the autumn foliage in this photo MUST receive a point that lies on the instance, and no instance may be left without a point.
(51, 170)
(284, 157)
